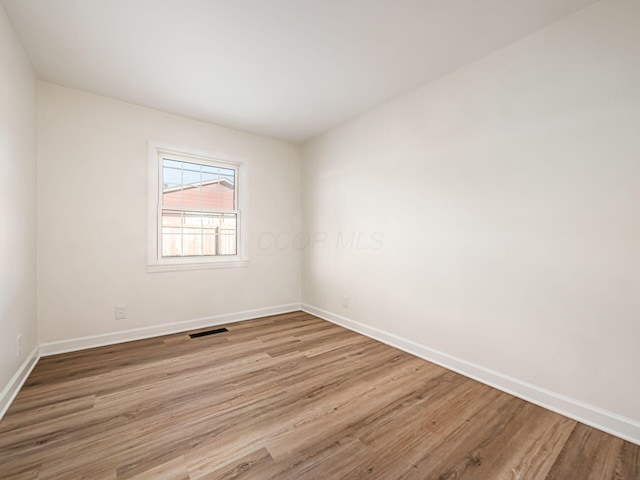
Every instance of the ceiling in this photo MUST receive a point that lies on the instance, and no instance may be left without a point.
(288, 69)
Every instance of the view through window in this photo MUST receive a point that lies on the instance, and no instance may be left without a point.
(199, 215)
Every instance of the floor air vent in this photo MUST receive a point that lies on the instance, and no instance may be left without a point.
(208, 332)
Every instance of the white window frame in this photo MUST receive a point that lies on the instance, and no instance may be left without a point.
(155, 261)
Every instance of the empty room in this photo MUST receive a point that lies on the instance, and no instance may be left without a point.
(320, 239)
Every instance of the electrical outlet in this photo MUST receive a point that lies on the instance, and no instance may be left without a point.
(121, 312)
(345, 301)
(18, 345)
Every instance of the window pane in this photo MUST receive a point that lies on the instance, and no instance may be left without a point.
(210, 221)
(171, 163)
(171, 245)
(194, 167)
(171, 218)
(190, 177)
(229, 220)
(208, 178)
(172, 196)
(191, 197)
(230, 182)
(228, 173)
(228, 230)
(170, 187)
(191, 242)
(172, 176)
(209, 244)
(217, 197)
(192, 220)
(210, 169)
(228, 244)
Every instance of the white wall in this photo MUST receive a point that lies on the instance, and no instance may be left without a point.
(508, 197)
(17, 203)
(92, 239)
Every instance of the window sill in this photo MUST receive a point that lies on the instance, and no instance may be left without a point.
(176, 267)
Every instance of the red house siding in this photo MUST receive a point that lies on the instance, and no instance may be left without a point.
(213, 197)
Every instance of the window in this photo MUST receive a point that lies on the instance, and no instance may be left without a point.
(195, 214)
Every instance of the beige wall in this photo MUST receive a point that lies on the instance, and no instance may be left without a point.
(17, 204)
(92, 167)
(507, 195)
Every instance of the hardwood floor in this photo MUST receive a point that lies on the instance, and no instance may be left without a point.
(289, 396)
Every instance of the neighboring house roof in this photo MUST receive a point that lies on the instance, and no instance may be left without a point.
(225, 182)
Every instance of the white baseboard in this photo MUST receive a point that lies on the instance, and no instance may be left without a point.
(12, 388)
(72, 345)
(623, 427)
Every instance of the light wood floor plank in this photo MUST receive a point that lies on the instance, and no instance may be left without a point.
(288, 396)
